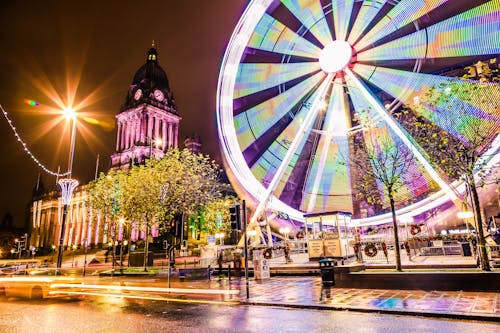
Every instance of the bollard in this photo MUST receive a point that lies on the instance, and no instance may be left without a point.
(229, 271)
(209, 273)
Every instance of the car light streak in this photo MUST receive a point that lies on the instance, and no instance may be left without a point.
(155, 298)
(147, 289)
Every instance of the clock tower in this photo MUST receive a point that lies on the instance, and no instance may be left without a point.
(148, 122)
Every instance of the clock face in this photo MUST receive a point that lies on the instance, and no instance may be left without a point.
(158, 95)
(138, 94)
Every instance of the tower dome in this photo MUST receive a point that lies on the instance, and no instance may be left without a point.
(150, 85)
(148, 122)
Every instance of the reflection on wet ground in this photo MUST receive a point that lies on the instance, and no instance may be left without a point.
(292, 291)
(309, 291)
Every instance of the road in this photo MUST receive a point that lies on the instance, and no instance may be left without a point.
(109, 314)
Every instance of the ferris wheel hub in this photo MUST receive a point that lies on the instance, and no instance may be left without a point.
(335, 56)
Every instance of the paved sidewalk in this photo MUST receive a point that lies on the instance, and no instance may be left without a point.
(307, 292)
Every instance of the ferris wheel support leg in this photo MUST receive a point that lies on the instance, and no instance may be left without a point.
(399, 132)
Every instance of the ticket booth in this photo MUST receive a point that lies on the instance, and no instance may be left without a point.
(329, 234)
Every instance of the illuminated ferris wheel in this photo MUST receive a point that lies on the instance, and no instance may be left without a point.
(297, 75)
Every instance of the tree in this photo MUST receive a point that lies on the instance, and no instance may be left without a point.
(151, 194)
(106, 195)
(217, 217)
(455, 123)
(382, 166)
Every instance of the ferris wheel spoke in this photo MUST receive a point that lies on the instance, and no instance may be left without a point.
(254, 78)
(456, 114)
(367, 12)
(404, 13)
(379, 137)
(266, 139)
(377, 107)
(471, 33)
(254, 122)
(327, 185)
(341, 11)
(311, 15)
(284, 150)
(272, 35)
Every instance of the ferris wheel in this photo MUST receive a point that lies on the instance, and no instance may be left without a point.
(297, 75)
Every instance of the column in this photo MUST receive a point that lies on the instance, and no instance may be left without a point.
(150, 127)
(170, 133)
(157, 127)
(132, 131)
(164, 135)
(122, 136)
(138, 129)
(118, 136)
(176, 134)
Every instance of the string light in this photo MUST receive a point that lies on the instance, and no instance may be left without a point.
(25, 148)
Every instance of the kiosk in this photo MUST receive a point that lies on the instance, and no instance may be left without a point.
(328, 234)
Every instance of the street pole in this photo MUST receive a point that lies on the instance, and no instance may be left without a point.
(247, 286)
(68, 185)
(85, 257)
(146, 249)
(121, 257)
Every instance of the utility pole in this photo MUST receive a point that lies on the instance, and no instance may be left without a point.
(247, 286)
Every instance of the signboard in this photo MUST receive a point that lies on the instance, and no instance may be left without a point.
(211, 240)
(315, 248)
(261, 269)
(437, 243)
(332, 248)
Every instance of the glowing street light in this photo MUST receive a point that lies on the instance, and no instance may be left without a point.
(157, 143)
(285, 231)
(221, 237)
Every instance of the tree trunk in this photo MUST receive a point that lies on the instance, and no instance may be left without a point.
(397, 253)
(146, 248)
(485, 262)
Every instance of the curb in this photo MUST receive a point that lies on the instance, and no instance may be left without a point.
(451, 315)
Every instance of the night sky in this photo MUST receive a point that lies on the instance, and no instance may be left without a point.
(48, 45)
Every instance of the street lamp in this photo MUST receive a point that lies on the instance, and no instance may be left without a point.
(121, 254)
(53, 247)
(73, 247)
(158, 142)
(285, 231)
(68, 184)
(221, 237)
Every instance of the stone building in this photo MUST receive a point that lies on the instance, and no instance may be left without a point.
(147, 125)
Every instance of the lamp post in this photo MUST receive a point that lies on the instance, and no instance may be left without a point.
(73, 247)
(53, 248)
(157, 142)
(68, 185)
(121, 254)
(285, 231)
(221, 238)
(18, 243)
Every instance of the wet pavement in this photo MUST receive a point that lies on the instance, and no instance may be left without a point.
(307, 292)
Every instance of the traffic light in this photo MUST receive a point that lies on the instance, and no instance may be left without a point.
(235, 216)
(24, 242)
(176, 225)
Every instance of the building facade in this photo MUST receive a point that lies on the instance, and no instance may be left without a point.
(147, 125)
